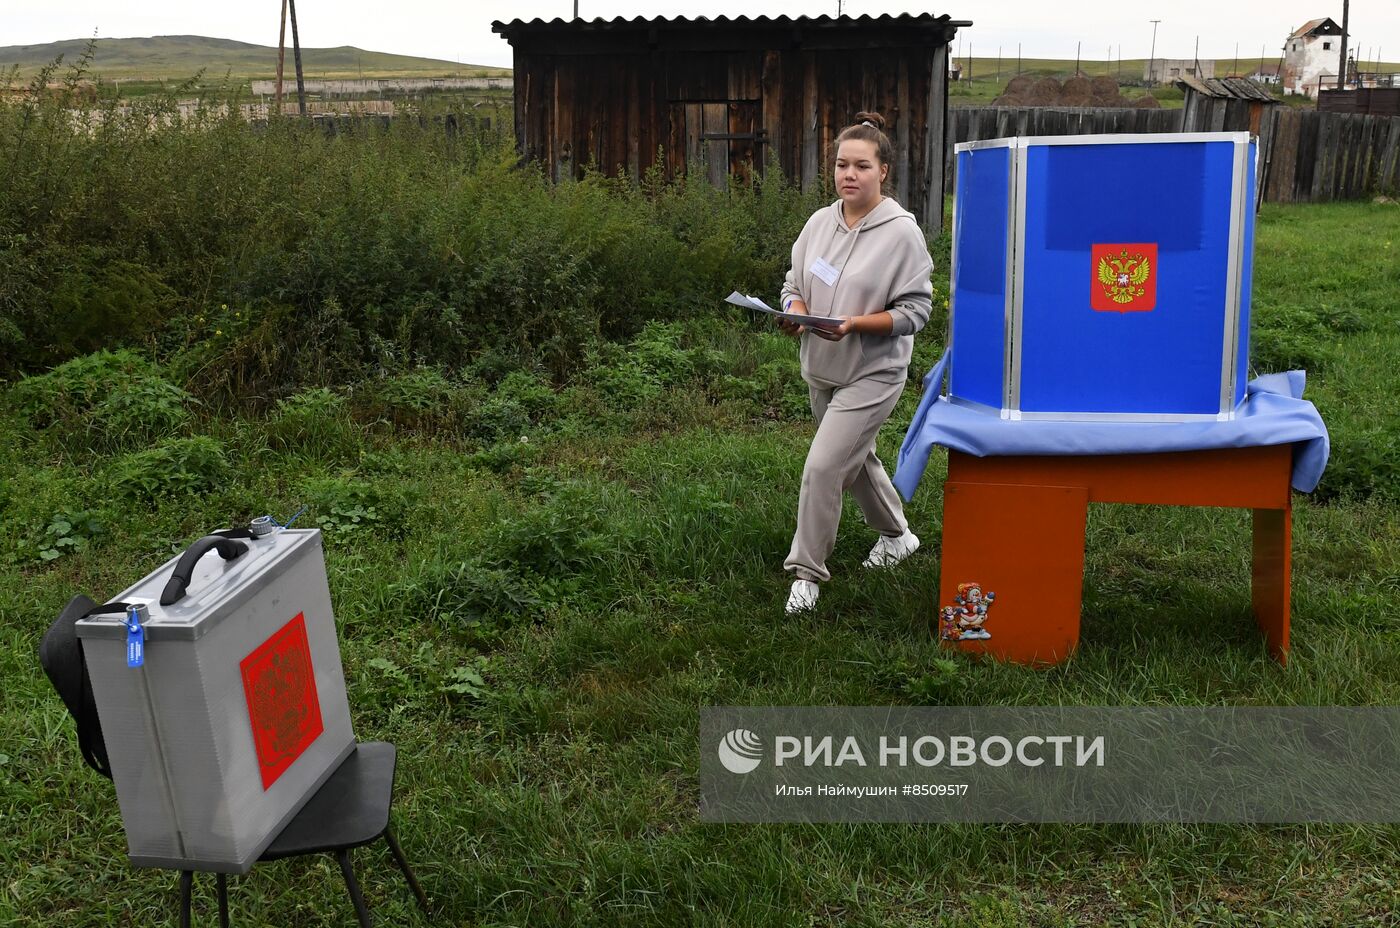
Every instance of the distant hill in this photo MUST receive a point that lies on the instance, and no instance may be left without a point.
(181, 56)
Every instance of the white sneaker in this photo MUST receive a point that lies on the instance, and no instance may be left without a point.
(890, 551)
(803, 597)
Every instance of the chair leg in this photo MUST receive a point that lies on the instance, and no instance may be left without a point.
(355, 895)
(407, 871)
(221, 881)
(186, 887)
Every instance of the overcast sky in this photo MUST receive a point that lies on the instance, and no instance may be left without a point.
(455, 30)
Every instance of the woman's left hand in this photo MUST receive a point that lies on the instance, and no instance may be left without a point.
(847, 326)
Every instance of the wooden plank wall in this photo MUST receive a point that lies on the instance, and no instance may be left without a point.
(1304, 156)
(615, 112)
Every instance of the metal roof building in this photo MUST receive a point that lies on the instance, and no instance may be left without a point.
(733, 95)
(1228, 104)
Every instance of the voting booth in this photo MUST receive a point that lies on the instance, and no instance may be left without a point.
(1102, 277)
(233, 712)
(1100, 293)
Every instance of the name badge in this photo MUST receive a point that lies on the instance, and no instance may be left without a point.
(825, 272)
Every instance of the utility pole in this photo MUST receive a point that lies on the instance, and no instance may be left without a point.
(1342, 70)
(998, 65)
(1235, 68)
(1018, 59)
(1152, 59)
(296, 57)
(1078, 46)
(1196, 56)
(281, 55)
(575, 9)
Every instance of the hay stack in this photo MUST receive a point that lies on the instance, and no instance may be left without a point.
(1105, 86)
(1114, 100)
(1148, 102)
(1077, 86)
(1045, 92)
(1019, 85)
(1011, 99)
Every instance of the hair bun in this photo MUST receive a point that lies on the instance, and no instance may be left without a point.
(875, 120)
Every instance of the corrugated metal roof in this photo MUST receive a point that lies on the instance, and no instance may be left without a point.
(619, 22)
(1229, 88)
(1310, 25)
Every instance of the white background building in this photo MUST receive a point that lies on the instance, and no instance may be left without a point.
(1166, 70)
(1313, 53)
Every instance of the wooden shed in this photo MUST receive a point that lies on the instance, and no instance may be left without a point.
(733, 95)
(1225, 104)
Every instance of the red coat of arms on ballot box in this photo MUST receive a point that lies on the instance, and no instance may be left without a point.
(1123, 277)
(279, 683)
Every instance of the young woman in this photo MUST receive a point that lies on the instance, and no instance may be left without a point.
(863, 258)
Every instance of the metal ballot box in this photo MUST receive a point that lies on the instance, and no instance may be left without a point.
(1103, 277)
(237, 713)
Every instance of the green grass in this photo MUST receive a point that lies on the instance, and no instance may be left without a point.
(607, 553)
(176, 57)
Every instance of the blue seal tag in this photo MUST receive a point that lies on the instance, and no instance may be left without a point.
(135, 639)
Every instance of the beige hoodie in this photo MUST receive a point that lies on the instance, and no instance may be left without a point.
(881, 264)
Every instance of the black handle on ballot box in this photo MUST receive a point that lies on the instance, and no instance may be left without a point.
(180, 579)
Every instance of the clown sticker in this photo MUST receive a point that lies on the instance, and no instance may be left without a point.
(966, 619)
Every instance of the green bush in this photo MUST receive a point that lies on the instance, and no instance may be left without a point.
(350, 255)
(775, 391)
(567, 531)
(346, 509)
(505, 456)
(316, 421)
(468, 596)
(65, 533)
(173, 467)
(104, 402)
(653, 361)
(98, 301)
(425, 674)
(421, 400)
(519, 405)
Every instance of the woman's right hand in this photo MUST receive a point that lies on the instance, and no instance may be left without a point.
(792, 328)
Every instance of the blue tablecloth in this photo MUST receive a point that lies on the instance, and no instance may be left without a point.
(1273, 413)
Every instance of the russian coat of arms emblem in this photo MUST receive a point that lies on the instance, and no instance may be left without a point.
(279, 684)
(1124, 277)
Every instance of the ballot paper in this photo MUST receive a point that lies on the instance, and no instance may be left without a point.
(753, 302)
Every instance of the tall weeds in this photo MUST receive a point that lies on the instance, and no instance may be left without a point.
(260, 259)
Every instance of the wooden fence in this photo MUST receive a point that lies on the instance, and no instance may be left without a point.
(1304, 156)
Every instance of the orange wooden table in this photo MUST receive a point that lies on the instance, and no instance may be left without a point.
(1013, 538)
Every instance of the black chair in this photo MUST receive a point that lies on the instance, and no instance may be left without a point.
(350, 810)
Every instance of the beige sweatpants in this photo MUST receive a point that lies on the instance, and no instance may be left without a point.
(842, 457)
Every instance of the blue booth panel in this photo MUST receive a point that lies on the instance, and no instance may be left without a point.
(981, 289)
